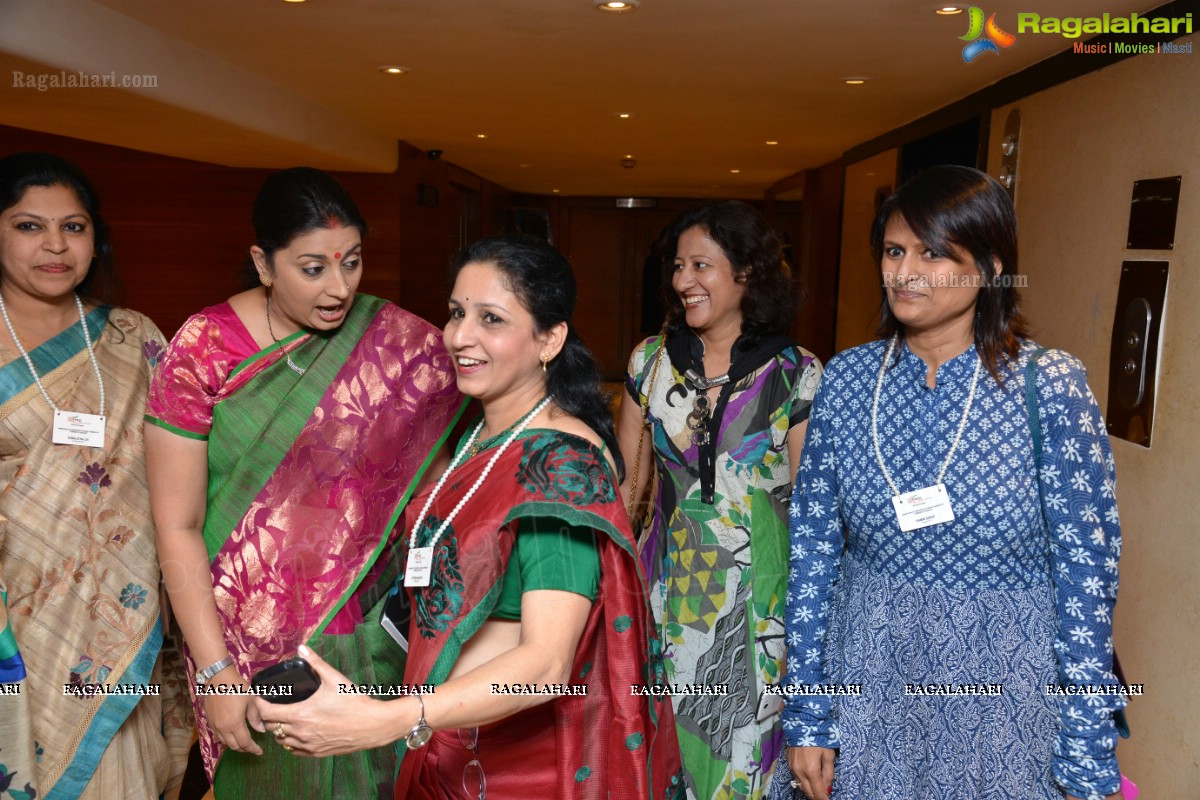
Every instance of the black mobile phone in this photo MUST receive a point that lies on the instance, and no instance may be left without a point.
(295, 672)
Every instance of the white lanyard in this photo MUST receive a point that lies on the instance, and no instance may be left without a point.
(931, 505)
(69, 427)
(420, 559)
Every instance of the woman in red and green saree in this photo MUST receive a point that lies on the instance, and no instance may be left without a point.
(290, 426)
(529, 615)
(79, 577)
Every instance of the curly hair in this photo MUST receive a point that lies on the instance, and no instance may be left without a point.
(755, 251)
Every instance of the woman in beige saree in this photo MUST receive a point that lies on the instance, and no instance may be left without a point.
(85, 708)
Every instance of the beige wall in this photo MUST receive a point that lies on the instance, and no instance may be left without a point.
(1083, 144)
(858, 280)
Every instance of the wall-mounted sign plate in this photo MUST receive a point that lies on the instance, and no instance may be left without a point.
(1152, 214)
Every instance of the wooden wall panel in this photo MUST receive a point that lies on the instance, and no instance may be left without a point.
(182, 231)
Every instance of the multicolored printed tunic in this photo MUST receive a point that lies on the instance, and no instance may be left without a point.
(718, 572)
(930, 622)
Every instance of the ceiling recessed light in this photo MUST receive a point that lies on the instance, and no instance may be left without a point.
(855, 81)
(522, 166)
(772, 142)
(735, 170)
(625, 115)
(947, 11)
(293, 1)
(555, 191)
(616, 6)
(481, 136)
(386, 70)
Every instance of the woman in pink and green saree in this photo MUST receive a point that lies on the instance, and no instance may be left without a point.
(290, 425)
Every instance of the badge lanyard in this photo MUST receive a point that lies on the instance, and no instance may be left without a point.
(419, 566)
(70, 427)
(931, 505)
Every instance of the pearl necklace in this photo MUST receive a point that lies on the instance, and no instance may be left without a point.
(459, 458)
(962, 424)
(87, 338)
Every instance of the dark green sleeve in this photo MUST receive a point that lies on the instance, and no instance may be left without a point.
(549, 554)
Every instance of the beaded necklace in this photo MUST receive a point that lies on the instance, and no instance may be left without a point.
(962, 424)
(68, 427)
(420, 559)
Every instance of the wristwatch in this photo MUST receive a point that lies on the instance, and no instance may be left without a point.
(421, 733)
(205, 675)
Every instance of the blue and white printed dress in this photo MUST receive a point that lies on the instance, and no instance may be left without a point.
(931, 621)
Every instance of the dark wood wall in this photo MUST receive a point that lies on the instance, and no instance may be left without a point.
(181, 233)
(181, 229)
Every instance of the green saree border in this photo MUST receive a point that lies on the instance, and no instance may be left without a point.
(51, 354)
(258, 428)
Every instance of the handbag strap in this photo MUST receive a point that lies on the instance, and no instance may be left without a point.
(634, 494)
(1035, 421)
(1035, 430)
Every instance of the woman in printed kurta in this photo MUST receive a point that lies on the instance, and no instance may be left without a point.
(716, 548)
(278, 469)
(79, 579)
(940, 641)
(529, 617)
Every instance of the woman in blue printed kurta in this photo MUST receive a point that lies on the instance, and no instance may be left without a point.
(946, 639)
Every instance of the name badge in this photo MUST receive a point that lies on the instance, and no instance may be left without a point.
(420, 565)
(922, 508)
(74, 427)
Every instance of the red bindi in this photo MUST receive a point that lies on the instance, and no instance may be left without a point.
(332, 222)
(337, 255)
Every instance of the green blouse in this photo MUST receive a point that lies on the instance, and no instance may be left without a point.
(549, 554)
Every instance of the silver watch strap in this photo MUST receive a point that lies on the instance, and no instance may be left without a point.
(206, 674)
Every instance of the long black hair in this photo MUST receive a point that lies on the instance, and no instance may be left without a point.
(295, 201)
(542, 280)
(20, 171)
(951, 207)
(755, 253)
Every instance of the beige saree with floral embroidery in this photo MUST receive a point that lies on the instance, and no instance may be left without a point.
(87, 707)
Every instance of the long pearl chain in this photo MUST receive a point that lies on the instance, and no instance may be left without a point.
(962, 424)
(87, 338)
(459, 458)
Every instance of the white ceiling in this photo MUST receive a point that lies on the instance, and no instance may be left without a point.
(267, 83)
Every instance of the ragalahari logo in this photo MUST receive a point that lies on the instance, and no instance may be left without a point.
(993, 37)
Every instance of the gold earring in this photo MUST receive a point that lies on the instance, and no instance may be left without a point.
(265, 281)
(545, 360)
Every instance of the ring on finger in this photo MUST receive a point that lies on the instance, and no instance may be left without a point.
(279, 731)
(288, 747)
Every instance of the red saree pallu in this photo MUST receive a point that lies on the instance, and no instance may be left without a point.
(608, 737)
(307, 477)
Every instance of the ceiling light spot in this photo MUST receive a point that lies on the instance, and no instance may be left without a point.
(386, 70)
(947, 11)
(616, 6)
(481, 136)
(855, 81)
(522, 166)
(735, 170)
(625, 115)
(772, 142)
(555, 191)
